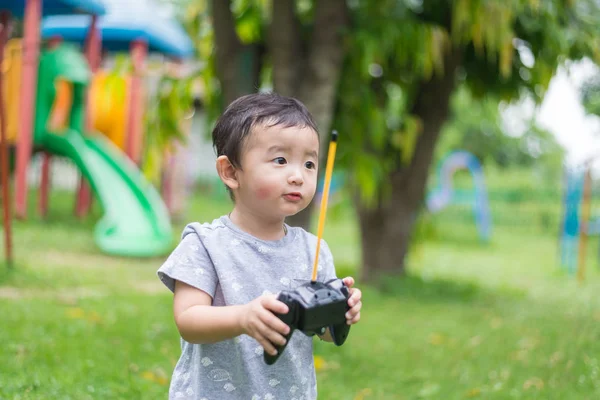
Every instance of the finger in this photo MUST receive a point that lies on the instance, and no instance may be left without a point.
(271, 303)
(273, 323)
(348, 281)
(274, 337)
(353, 320)
(266, 345)
(271, 335)
(354, 297)
(353, 311)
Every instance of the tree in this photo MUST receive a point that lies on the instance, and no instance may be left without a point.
(294, 47)
(406, 61)
(590, 95)
(384, 72)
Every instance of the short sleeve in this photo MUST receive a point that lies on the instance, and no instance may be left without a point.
(189, 263)
(326, 264)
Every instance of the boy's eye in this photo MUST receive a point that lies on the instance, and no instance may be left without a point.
(280, 160)
(310, 165)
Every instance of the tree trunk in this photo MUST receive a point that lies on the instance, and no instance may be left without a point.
(237, 66)
(320, 78)
(285, 48)
(386, 229)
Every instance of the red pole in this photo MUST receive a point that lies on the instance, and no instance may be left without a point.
(93, 55)
(4, 32)
(45, 184)
(31, 48)
(139, 50)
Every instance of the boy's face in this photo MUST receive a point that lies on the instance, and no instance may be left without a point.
(278, 175)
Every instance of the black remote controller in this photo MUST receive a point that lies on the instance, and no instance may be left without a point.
(313, 306)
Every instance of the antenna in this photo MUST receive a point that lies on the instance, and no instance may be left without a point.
(324, 199)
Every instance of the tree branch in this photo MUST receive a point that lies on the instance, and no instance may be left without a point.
(285, 47)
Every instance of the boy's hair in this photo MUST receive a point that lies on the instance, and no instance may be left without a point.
(245, 113)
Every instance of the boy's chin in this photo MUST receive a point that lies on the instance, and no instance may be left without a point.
(292, 213)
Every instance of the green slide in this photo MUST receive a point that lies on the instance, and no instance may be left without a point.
(136, 221)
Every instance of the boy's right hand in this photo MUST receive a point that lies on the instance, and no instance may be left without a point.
(257, 320)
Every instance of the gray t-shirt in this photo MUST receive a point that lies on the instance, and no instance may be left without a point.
(234, 267)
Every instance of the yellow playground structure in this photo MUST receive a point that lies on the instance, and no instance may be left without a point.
(11, 72)
(109, 111)
(108, 95)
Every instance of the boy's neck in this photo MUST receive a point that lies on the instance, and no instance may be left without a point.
(258, 226)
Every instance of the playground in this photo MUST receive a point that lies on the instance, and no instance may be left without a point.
(93, 117)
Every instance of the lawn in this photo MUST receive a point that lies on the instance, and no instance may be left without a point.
(495, 321)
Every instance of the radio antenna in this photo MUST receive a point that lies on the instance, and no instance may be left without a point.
(324, 199)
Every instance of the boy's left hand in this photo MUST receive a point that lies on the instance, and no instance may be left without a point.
(355, 303)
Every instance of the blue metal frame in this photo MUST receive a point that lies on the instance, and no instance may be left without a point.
(119, 27)
(56, 7)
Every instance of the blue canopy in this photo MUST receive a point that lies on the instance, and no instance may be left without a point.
(124, 22)
(56, 7)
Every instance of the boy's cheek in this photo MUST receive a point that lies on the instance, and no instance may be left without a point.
(263, 193)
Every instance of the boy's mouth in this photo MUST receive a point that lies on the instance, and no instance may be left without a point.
(294, 196)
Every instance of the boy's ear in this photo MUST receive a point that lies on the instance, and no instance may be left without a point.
(227, 172)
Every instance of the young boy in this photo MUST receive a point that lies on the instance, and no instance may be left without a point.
(225, 275)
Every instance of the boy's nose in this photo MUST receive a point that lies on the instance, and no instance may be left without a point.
(296, 177)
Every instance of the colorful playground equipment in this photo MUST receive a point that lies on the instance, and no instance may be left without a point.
(73, 103)
(577, 225)
(445, 194)
(118, 102)
(136, 221)
(31, 11)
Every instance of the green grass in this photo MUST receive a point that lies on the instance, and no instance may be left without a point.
(496, 321)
